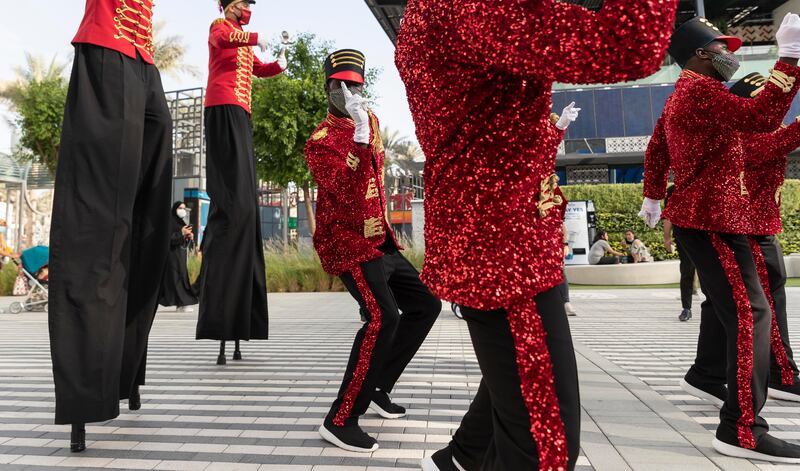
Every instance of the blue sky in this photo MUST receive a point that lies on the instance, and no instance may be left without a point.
(51, 24)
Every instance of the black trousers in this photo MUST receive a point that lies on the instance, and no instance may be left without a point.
(734, 331)
(388, 341)
(687, 276)
(110, 231)
(709, 366)
(232, 286)
(495, 434)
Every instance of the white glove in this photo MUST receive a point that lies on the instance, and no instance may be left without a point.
(356, 105)
(282, 62)
(263, 44)
(568, 116)
(788, 36)
(651, 212)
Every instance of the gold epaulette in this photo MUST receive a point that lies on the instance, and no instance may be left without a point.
(781, 80)
(218, 21)
(319, 135)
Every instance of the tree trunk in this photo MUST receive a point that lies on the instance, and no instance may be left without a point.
(312, 220)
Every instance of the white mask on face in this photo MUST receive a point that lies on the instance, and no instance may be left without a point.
(181, 213)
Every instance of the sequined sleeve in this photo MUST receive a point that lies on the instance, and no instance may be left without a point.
(265, 69)
(761, 114)
(656, 164)
(335, 170)
(766, 148)
(224, 36)
(625, 40)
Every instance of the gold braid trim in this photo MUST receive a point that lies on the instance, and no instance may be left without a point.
(781, 80)
(138, 27)
(244, 74)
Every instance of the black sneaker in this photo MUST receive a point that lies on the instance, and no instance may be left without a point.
(135, 399)
(785, 393)
(768, 448)
(383, 406)
(349, 437)
(686, 314)
(715, 395)
(456, 310)
(442, 460)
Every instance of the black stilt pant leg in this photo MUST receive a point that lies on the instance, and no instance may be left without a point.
(99, 172)
(498, 417)
(729, 277)
(150, 233)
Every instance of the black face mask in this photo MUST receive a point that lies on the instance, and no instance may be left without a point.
(726, 65)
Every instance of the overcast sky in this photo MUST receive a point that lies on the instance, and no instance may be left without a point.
(48, 26)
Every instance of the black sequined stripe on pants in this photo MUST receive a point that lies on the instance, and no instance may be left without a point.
(729, 278)
(387, 342)
(109, 237)
(495, 434)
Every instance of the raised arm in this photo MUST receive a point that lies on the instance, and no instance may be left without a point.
(764, 148)
(266, 69)
(625, 40)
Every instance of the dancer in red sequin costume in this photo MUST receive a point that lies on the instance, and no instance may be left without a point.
(764, 174)
(355, 242)
(479, 75)
(712, 211)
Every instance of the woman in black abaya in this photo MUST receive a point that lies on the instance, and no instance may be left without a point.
(176, 289)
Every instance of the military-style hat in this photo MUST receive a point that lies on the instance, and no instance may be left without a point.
(695, 34)
(224, 4)
(750, 86)
(345, 64)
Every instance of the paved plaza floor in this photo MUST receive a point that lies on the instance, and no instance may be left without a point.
(261, 413)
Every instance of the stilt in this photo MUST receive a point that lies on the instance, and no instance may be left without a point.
(237, 354)
(135, 399)
(221, 358)
(77, 439)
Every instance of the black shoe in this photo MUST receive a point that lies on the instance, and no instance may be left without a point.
(713, 394)
(221, 360)
(686, 314)
(768, 448)
(135, 399)
(383, 406)
(442, 460)
(456, 310)
(237, 355)
(785, 393)
(77, 439)
(349, 437)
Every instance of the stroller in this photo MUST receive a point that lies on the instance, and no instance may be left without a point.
(33, 265)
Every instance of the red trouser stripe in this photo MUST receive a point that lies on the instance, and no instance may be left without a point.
(538, 385)
(744, 341)
(781, 358)
(364, 353)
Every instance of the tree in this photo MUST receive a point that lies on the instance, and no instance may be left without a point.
(286, 110)
(38, 96)
(170, 53)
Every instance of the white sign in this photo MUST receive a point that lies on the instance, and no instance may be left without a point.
(576, 222)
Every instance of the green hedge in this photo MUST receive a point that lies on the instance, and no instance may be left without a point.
(617, 208)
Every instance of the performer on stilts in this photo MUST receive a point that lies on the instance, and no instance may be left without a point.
(712, 214)
(478, 75)
(232, 283)
(765, 171)
(109, 237)
(355, 242)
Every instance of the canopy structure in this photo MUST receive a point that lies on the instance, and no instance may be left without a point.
(724, 12)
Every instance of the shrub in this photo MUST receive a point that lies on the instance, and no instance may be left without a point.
(617, 208)
(8, 275)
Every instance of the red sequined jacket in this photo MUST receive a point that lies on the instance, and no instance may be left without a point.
(764, 175)
(125, 26)
(478, 75)
(701, 137)
(351, 206)
(232, 64)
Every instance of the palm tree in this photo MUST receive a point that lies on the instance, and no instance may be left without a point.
(36, 69)
(170, 53)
